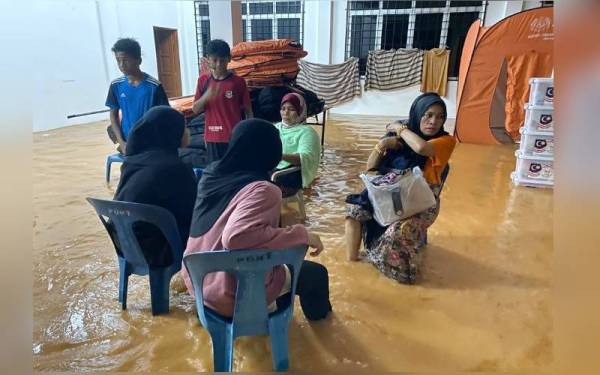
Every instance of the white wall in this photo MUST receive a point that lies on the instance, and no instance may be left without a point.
(317, 33)
(68, 68)
(392, 103)
(74, 65)
(220, 20)
(338, 40)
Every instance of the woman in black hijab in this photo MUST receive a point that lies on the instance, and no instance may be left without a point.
(152, 173)
(238, 207)
(421, 141)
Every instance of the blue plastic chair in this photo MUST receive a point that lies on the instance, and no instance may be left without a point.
(250, 315)
(122, 216)
(114, 158)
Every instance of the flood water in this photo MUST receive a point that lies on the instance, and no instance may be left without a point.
(482, 303)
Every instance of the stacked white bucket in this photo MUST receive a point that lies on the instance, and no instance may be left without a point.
(535, 156)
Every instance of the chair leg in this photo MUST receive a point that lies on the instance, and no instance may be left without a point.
(159, 291)
(323, 129)
(222, 342)
(300, 198)
(123, 281)
(278, 334)
(108, 163)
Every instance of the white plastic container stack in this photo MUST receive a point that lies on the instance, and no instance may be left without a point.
(535, 156)
(536, 143)
(539, 118)
(541, 91)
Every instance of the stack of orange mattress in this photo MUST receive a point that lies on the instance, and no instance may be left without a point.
(184, 105)
(267, 62)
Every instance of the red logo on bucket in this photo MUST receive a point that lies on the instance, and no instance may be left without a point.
(545, 121)
(535, 169)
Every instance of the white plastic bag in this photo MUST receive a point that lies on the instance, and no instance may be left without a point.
(407, 196)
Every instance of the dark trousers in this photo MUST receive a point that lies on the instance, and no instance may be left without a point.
(215, 151)
(313, 290)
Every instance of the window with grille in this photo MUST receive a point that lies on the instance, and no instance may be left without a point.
(373, 25)
(263, 20)
(202, 26)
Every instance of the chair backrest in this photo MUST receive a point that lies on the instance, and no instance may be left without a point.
(444, 175)
(123, 215)
(250, 315)
(278, 173)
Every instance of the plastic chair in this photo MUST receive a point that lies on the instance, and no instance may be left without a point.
(443, 177)
(114, 158)
(320, 123)
(298, 195)
(250, 315)
(122, 216)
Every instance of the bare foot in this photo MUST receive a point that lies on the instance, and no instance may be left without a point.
(177, 283)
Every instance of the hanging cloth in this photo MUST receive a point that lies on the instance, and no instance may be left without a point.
(393, 69)
(435, 71)
(334, 83)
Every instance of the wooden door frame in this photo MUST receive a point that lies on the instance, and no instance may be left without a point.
(160, 31)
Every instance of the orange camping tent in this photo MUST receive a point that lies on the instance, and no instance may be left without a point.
(495, 67)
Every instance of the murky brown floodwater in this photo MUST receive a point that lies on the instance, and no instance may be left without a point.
(483, 301)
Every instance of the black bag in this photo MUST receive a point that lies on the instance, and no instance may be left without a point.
(197, 158)
(269, 102)
(196, 129)
(195, 153)
(314, 105)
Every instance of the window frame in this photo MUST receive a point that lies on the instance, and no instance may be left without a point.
(274, 17)
(198, 19)
(412, 12)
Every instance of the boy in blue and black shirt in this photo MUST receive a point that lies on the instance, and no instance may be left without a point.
(132, 94)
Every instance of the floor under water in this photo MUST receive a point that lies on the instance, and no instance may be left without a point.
(482, 303)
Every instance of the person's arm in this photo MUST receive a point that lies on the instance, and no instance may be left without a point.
(211, 93)
(293, 159)
(115, 124)
(115, 120)
(416, 143)
(250, 225)
(387, 143)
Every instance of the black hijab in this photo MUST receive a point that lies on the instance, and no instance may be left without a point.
(406, 157)
(152, 172)
(254, 150)
(151, 150)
